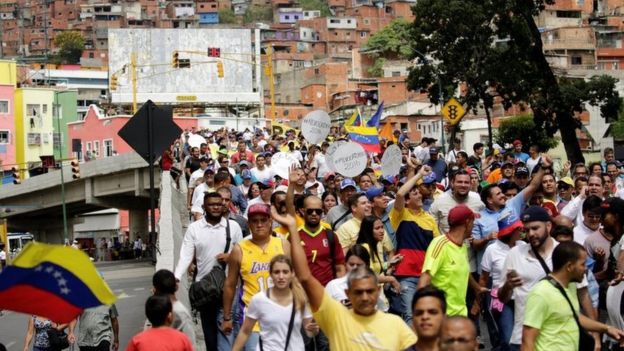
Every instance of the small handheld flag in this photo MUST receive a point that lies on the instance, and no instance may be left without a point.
(52, 281)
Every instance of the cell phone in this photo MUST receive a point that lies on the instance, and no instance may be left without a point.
(396, 260)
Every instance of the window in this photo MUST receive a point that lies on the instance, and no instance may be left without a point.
(57, 111)
(317, 71)
(33, 138)
(91, 55)
(108, 148)
(5, 137)
(57, 139)
(96, 148)
(366, 21)
(45, 109)
(577, 60)
(4, 106)
(396, 74)
(33, 110)
(88, 146)
(349, 21)
(287, 17)
(403, 126)
(362, 34)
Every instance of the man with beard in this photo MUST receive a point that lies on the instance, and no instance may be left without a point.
(552, 309)
(459, 195)
(206, 241)
(429, 311)
(340, 214)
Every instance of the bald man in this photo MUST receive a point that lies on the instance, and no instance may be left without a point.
(458, 333)
(563, 221)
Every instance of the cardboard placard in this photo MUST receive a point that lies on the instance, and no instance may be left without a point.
(391, 161)
(329, 155)
(281, 163)
(350, 159)
(315, 126)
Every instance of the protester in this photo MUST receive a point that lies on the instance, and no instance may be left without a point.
(160, 336)
(429, 311)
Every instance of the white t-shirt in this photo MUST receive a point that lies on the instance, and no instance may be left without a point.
(262, 175)
(183, 321)
(195, 176)
(321, 164)
(581, 232)
(531, 163)
(494, 260)
(274, 319)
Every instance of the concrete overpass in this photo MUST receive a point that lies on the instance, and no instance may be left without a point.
(121, 182)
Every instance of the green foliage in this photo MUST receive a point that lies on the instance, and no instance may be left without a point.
(376, 70)
(258, 14)
(226, 16)
(71, 45)
(494, 48)
(523, 127)
(617, 128)
(319, 5)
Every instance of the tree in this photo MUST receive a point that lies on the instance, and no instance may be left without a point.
(494, 48)
(227, 16)
(258, 14)
(392, 42)
(318, 5)
(523, 128)
(71, 45)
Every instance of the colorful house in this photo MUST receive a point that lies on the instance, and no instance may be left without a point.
(7, 113)
(34, 128)
(65, 111)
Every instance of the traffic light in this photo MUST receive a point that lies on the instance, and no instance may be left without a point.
(75, 168)
(113, 82)
(16, 175)
(214, 52)
(219, 69)
(175, 61)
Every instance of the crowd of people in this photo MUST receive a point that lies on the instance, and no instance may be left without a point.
(417, 260)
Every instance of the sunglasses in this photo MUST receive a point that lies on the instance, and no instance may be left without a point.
(310, 211)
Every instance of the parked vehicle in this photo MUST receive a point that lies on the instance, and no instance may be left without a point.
(17, 241)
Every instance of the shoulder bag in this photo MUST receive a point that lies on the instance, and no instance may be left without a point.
(58, 339)
(291, 324)
(586, 341)
(209, 289)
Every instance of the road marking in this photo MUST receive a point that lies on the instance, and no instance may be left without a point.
(139, 289)
(124, 296)
(8, 346)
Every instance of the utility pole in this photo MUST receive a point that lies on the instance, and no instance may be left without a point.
(133, 67)
(269, 72)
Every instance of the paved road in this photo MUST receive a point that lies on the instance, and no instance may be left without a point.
(130, 280)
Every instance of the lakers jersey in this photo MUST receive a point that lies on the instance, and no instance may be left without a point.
(254, 268)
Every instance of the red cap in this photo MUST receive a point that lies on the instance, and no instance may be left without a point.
(459, 215)
(262, 209)
(516, 142)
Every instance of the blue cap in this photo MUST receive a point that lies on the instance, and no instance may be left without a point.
(246, 174)
(347, 182)
(430, 178)
(373, 192)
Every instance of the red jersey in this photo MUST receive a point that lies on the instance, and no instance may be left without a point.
(318, 253)
(160, 339)
(248, 156)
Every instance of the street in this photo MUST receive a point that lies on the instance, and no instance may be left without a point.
(131, 281)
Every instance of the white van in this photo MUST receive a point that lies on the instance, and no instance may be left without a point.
(17, 241)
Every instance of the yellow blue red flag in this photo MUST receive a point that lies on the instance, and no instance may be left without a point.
(365, 136)
(52, 281)
(355, 120)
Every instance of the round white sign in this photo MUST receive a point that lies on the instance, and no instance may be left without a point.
(315, 126)
(391, 161)
(329, 155)
(350, 159)
(196, 140)
(281, 163)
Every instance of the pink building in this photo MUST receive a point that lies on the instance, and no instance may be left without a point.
(7, 128)
(98, 133)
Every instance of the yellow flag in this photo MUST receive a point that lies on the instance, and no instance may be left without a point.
(386, 131)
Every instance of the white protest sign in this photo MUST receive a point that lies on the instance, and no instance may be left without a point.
(350, 159)
(281, 162)
(329, 155)
(315, 126)
(391, 161)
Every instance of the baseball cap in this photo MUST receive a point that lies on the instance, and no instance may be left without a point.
(329, 175)
(262, 209)
(246, 174)
(373, 192)
(517, 142)
(507, 165)
(266, 184)
(347, 182)
(309, 185)
(460, 214)
(508, 224)
(535, 214)
(433, 150)
(566, 180)
(522, 170)
(244, 163)
(204, 159)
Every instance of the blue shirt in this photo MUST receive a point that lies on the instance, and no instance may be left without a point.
(439, 167)
(521, 156)
(487, 223)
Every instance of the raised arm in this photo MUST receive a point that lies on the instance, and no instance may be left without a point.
(312, 287)
(293, 176)
(399, 202)
(536, 181)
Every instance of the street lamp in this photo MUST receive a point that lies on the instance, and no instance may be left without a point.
(440, 99)
(60, 152)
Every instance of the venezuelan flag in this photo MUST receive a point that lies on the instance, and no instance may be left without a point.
(52, 281)
(365, 136)
(355, 120)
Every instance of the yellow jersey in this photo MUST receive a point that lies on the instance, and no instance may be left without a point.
(254, 267)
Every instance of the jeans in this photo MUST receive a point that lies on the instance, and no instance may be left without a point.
(211, 317)
(317, 343)
(103, 346)
(252, 341)
(409, 285)
(504, 322)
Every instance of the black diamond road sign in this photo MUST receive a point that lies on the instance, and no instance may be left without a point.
(164, 130)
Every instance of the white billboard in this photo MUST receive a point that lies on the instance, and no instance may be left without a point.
(157, 78)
